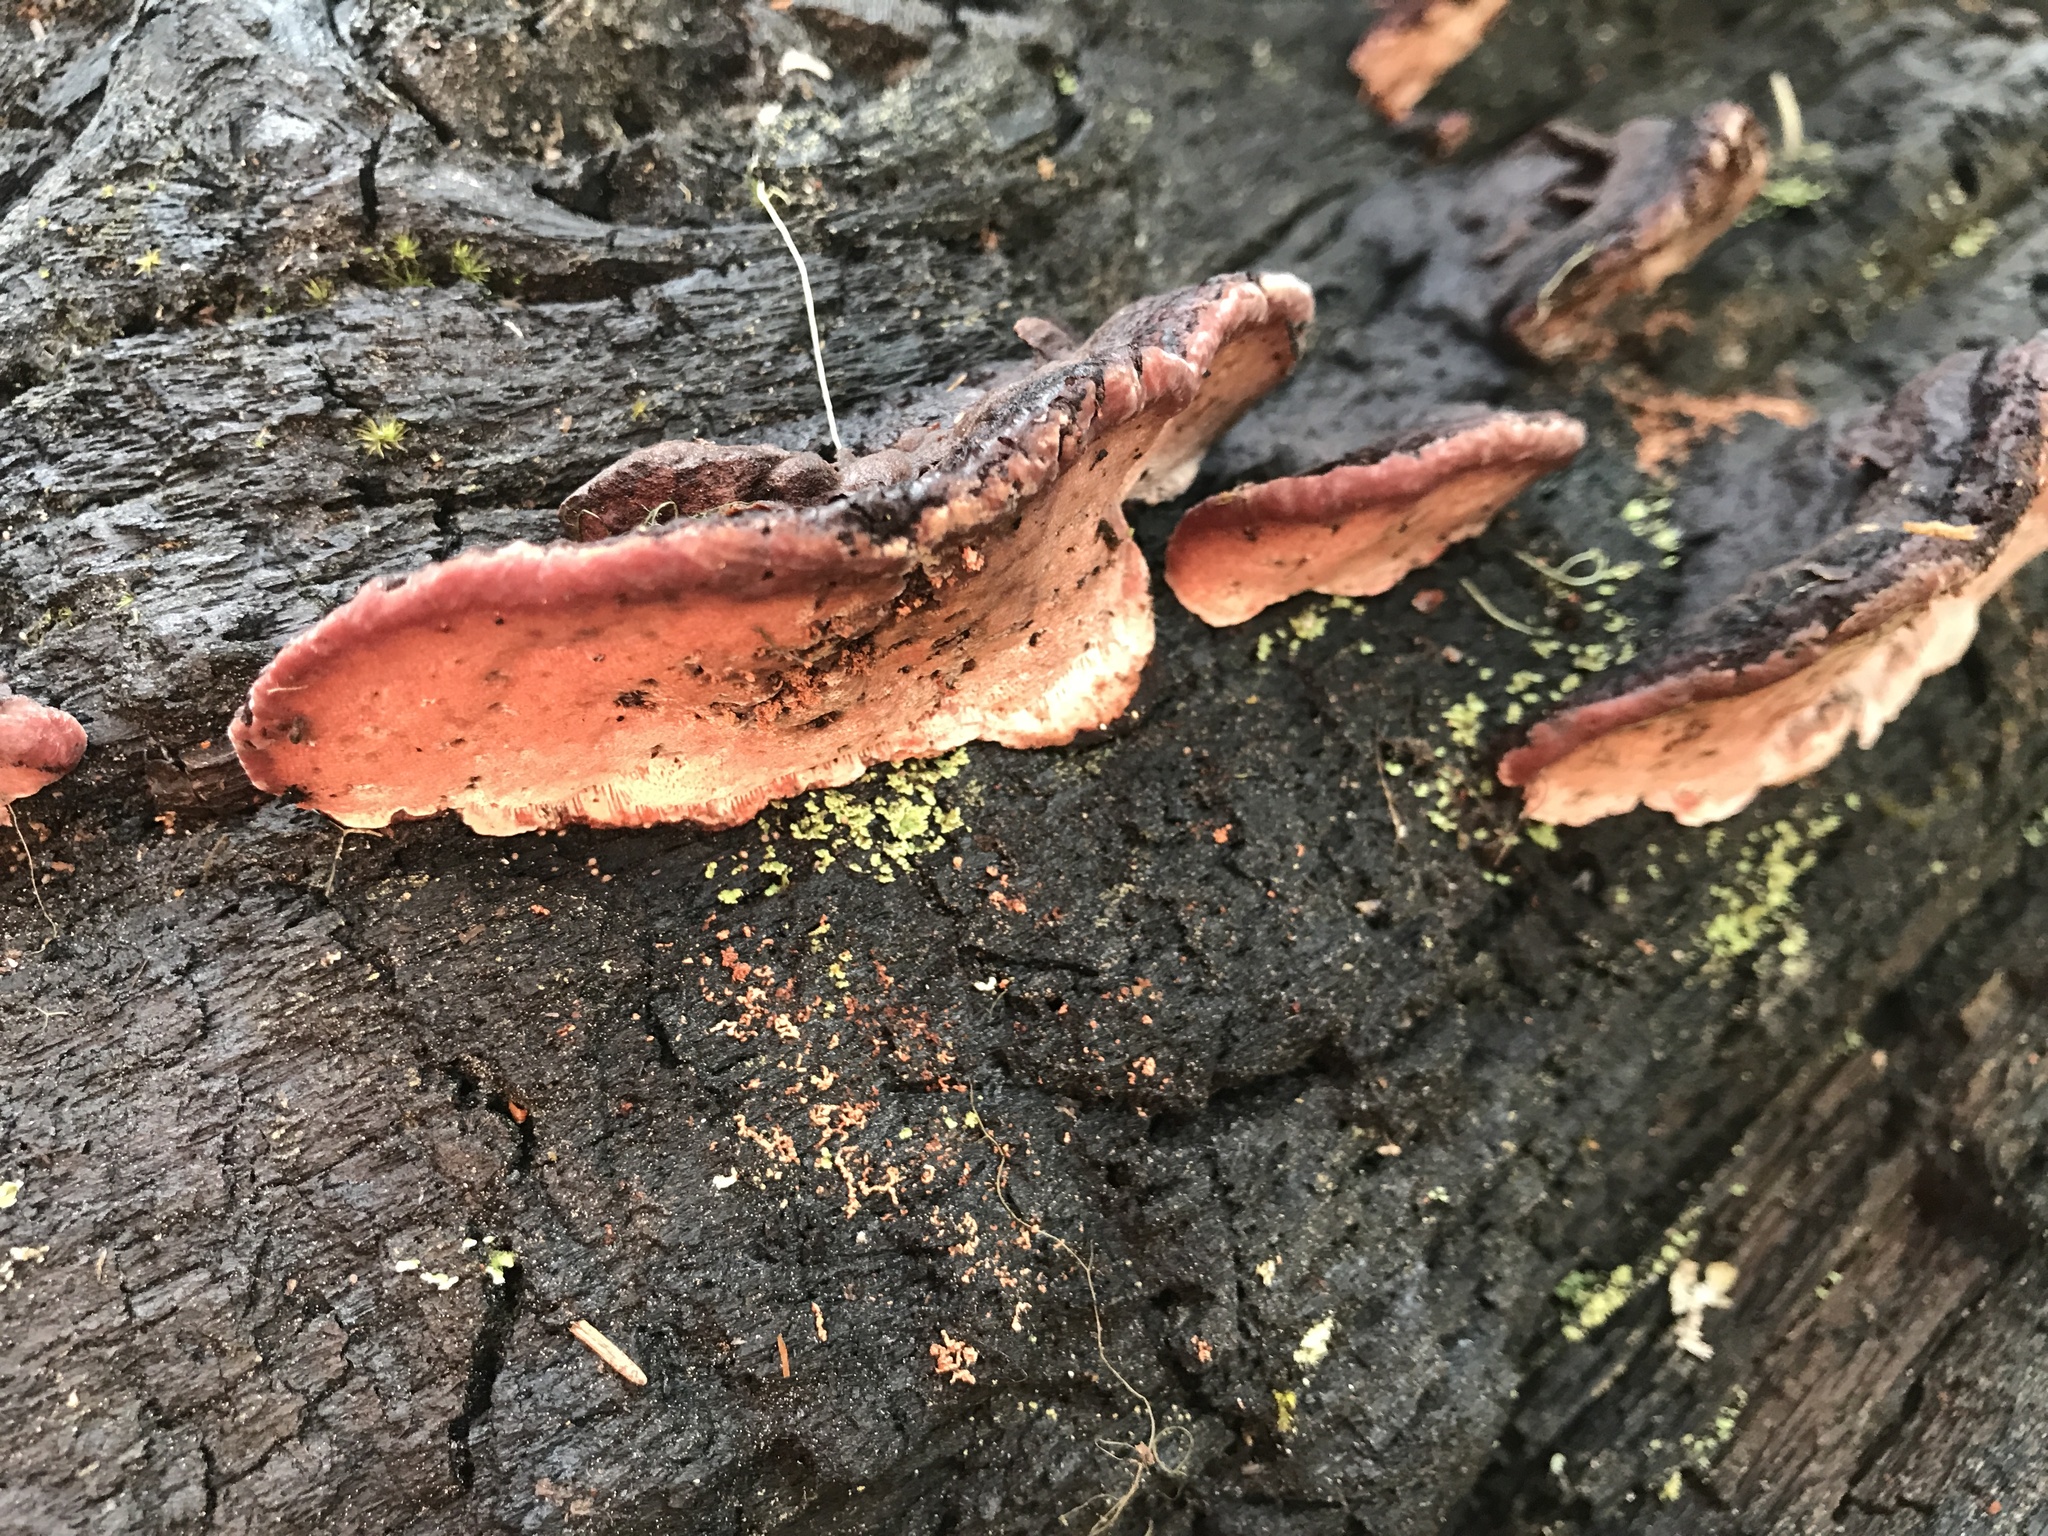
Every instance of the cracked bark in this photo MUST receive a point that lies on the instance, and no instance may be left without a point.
(237, 1101)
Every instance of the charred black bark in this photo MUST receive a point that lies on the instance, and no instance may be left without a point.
(1311, 1084)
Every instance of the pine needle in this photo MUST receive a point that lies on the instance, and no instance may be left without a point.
(803, 274)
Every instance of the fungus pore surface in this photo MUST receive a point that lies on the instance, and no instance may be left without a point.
(1355, 527)
(1932, 504)
(745, 653)
(38, 746)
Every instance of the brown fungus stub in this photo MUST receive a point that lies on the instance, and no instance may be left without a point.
(692, 478)
(38, 746)
(1933, 504)
(1414, 44)
(1354, 528)
(699, 671)
(1654, 196)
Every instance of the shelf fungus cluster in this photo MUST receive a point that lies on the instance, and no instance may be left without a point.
(38, 746)
(778, 624)
(1821, 601)
(728, 625)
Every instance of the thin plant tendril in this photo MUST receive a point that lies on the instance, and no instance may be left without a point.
(1566, 574)
(803, 274)
(34, 889)
(1494, 613)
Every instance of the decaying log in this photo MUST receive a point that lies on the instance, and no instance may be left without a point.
(1235, 1122)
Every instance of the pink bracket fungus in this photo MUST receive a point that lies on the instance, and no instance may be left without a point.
(38, 746)
(1413, 45)
(1356, 527)
(1653, 197)
(1926, 509)
(697, 671)
(1543, 242)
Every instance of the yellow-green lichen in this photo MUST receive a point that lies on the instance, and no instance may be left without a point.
(1649, 519)
(879, 834)
(2036, 831)
(379, 435)
(1591, 1297)
(1284, 1405)
(1973, 239)
(1758, 901)
(1464, 720)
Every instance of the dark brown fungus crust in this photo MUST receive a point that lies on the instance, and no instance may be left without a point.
(38, 746)
(701, 670)
(1355, 527)
(1413, 45)
(1763, 687)
(1654, 196)
(692, 479)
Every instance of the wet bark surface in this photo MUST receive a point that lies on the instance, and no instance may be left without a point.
(1227, 1125)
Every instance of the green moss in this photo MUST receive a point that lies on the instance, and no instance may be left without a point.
(1542, 834)
(398, 263)
(379, 435)
(468, 264)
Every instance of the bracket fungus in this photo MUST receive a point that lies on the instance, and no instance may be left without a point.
(1355, 527)
(1909, 520)
(1414, 44)
(1655, 195)
(38, 746)
(1542, 243)
(751, 650)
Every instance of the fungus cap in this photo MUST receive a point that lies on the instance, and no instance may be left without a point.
(38, 746)
(1764, 687)
(1414, 44)
(698, 671)
(1662, 193)
(1354, 528)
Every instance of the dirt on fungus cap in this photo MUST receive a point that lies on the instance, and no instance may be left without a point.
(1355, 527)
(1414, 44)
(1765, 686)
(698, 671)
(38, 746)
